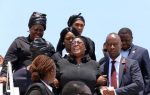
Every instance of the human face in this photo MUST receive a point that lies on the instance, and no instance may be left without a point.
(36, 31)
(126, 40)
(68, 40)
(105, 50)
(1, 59)
(78, 47)
(78, 25)
(113, 45)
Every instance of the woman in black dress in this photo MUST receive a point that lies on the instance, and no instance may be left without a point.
(78, 66)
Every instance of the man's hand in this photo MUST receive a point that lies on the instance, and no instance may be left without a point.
(107, 90)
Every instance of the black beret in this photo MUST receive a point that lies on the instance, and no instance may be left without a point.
(73, 18)
(37, 18)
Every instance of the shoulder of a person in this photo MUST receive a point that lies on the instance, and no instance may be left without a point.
(37, 86)
(89, 39)
(103, 60)
(21, 38)
(139, 47)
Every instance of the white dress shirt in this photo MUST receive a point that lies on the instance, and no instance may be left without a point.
(125, 53)
(117, 64)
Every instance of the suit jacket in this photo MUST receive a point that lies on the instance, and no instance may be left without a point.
(141, 55)
(38, 89)
(130, 77)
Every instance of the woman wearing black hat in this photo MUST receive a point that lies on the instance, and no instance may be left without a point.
(19, 53)
(78, 22)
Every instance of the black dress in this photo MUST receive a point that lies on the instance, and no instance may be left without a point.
(87, 71)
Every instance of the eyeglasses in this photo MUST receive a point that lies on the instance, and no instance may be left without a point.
(77, 42)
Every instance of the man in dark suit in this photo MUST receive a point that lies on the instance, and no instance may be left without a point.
(129, 50)
(123, 75)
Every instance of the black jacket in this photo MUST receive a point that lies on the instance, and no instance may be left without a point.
(19, 54)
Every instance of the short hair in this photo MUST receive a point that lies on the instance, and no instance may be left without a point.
(125, 31)
(76, 88)
(40, 66)
(110, 34)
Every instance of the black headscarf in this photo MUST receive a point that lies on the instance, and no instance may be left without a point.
(37, 18)
(63, 33)
(41, 46)
(73, 18)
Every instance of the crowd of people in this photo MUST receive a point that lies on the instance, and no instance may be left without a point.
(72, 68)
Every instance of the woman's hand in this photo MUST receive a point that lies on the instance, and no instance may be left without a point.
(55, 83)
(3, 79)
(102, 80)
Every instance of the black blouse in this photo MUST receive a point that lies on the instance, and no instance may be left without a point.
(87, 71)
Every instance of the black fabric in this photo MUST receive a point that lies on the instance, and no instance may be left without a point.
(73, 18)
(19, 54)
(37, 18)
(87, 71)
(40, 46)
(91, 48)
(22, 79)
(37, 86)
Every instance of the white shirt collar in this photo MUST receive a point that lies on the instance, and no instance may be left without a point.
(48, 86)
(64, 52)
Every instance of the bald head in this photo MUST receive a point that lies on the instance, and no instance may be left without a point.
(113, 45)
(113, 36)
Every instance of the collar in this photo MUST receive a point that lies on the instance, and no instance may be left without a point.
(48, 86)
(118, 59)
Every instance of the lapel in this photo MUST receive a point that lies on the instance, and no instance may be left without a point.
(132, 51)
(47, 90)
(106, 70)
(121, 69)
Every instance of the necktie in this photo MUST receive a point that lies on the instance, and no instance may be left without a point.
(113, 75)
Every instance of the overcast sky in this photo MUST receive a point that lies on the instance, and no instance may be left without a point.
(101, 17)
